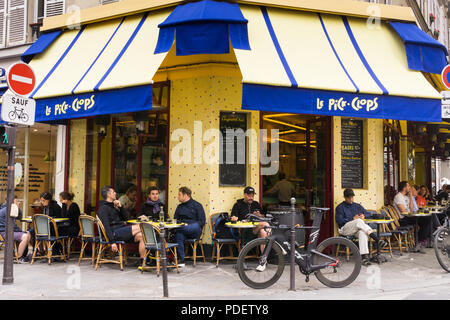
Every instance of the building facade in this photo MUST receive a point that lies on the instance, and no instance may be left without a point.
(134, 116)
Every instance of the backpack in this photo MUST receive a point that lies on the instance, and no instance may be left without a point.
(220, 230)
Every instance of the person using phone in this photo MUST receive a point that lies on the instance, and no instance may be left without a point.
(243, 207)
(350, 219)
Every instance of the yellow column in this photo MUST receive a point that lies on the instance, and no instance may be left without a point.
(77, 165)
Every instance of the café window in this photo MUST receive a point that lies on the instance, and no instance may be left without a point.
(35, 148)
(391, 142)
(128, 150)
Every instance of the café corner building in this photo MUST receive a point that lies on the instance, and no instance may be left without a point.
(139, 85)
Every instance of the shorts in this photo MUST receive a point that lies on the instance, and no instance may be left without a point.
(17, 235)
(123, 234)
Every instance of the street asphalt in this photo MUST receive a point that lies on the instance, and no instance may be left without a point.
(410, 276)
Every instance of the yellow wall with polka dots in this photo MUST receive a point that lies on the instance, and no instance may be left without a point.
(371, 197)
(77, 165)
(202, 99)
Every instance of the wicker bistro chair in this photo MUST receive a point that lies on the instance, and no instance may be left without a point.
(42, 225)
(219, 243)
(151, 234)
(87, 235)
(194, 244)
(2, 242)
(104, 244)
(392, 212)
(399, 236)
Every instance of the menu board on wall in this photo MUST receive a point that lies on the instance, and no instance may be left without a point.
(352, 168)
(232, 172)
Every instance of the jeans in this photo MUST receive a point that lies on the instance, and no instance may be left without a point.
(191, 231)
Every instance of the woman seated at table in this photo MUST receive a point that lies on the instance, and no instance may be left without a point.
(49, 206)
(422, 196)
(151, 208)
(70, 210)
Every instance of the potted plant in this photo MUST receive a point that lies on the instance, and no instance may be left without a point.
(436, 33)
(432, 18)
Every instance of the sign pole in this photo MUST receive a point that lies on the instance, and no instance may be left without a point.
(8, 277)
(163, 259)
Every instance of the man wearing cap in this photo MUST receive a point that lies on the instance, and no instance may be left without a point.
(245, 206)
(349, 217)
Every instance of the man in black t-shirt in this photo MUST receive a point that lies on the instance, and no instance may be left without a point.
(245, 206)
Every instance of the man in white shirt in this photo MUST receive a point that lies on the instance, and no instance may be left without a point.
(404, 203)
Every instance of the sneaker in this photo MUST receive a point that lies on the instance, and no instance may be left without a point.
(181, 264)
(382, 243)
(365, 262)
(22, 260)
(262, 265)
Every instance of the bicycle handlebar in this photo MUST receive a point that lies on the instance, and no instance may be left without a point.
(255, 218)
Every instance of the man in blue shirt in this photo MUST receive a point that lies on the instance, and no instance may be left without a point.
(192, 214)
(23, 238)
(350, 219)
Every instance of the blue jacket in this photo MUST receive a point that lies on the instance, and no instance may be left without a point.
(190, 212)
(3, 219)
(345, 212)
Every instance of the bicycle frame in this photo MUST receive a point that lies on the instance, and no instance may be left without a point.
(303, 258)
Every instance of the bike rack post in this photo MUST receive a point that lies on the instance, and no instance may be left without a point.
(292, 288)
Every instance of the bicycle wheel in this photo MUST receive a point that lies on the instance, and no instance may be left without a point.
(249, 260)
(348, 268)
(24, 117)
(12, 115)
(442, 248)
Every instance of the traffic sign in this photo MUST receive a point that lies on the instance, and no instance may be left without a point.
(445, 76)
(21, 79)
(19, 110)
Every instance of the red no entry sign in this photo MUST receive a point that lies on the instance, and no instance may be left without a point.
(445, 76)
(21, 79)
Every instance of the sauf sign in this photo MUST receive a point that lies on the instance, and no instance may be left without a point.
(17, 107)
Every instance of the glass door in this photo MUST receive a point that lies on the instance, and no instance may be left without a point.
(304, 161)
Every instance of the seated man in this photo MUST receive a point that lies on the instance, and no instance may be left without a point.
(245, 206)
(22, 237)
(404, 202)
(113, 216)
(151, 208)
(349, 217)
(192, 214)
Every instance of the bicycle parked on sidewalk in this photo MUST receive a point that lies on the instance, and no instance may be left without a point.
(336, 261)
(442, 244)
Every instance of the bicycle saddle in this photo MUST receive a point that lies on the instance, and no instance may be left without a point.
(255, 218)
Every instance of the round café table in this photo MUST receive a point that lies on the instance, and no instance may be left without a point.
(379, 222)
(241, 225)
(30, 220)
(167, 225)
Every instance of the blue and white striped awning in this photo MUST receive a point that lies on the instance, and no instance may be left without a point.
(101, 68)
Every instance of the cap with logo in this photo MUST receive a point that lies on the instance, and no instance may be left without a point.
(249, 190)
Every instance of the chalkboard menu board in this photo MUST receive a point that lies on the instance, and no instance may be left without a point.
(352, 153)
(233, 152)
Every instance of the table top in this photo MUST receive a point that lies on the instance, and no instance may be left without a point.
(29, 219)
(418, 214)
(241, 225)
(379, 221)
(156, 224)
